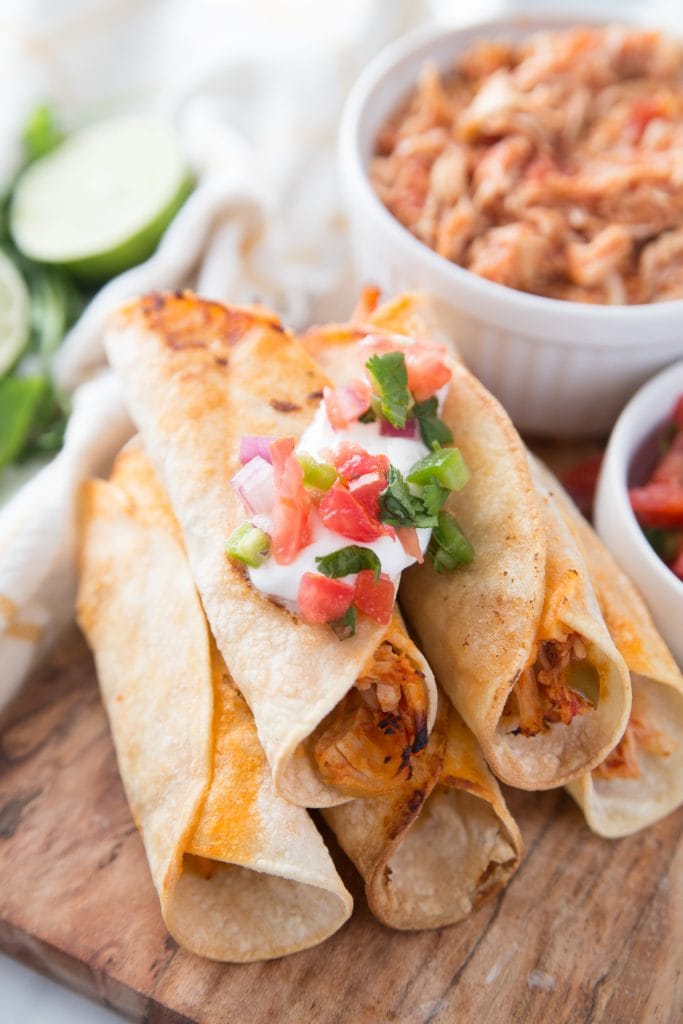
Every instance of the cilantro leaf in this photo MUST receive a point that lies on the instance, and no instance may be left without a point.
(433, 430)
(398, 507)
(345, 627)
(434, 497)
(449, 547)
(391, 376)
(345, 561)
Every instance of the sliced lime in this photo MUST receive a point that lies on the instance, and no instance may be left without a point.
(14, 313)
(99, 203)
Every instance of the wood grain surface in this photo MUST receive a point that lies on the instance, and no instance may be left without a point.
(588, 931)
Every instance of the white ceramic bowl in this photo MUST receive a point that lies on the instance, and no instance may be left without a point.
(559, 368)
(614, 518)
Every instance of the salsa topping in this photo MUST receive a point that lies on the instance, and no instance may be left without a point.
(362, 475)
(658, 504)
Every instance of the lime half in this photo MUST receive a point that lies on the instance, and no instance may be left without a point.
(99, 203)
(14, 313)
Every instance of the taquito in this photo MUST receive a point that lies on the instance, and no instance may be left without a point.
(641, 779)
(241, 875)
(197, 377)
(431, 852)
(515, 638)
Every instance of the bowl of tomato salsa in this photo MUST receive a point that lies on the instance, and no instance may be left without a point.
(639, 498)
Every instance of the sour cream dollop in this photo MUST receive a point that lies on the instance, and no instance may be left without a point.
(281, 582)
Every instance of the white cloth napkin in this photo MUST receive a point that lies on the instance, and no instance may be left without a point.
(255, 89)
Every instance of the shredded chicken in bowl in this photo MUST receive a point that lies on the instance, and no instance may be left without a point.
(554, 166)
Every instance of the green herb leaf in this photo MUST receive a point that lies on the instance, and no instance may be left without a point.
(345, 561)
(398, 507)
(434, 497)
(449, 547)
(20, 402)
(433, 430)
(345, 627)
(390, 374)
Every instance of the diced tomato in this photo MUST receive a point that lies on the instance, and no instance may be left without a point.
(374, 597)
(669, 469)
(426, 362)
(427, 369)
(291, 530)
(367, 489)
(658, 505)
(342, 512)
(410, 542)
(581, 480)
(291, 526)
(321, 599)
(280, 450)
(346, 404)
(351, 461)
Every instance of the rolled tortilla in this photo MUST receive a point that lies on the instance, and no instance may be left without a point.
(484, 625)
(241, 875)
(431, 852)
(197, 376)
(615, 801)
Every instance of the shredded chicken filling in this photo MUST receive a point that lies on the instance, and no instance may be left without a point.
(640, 735)
(548, 691)
(367, 744)
(553, 166)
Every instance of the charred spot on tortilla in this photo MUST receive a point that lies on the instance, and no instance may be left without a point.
(314, 396)
(281, 405)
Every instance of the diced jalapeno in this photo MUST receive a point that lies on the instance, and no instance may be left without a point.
(249, 545)
(320, 475)
(445, 467)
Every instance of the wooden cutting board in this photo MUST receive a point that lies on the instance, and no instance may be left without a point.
(588, 931)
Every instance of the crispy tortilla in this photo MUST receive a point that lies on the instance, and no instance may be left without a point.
(433, 851)
(241, 875)
(620, 806)
(482, 624)
(197, 376)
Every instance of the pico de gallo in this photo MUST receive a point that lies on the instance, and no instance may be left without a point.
(332, 522)
(658, 504)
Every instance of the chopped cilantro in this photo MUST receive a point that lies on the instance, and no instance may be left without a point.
(449, 547)
(398, 507)
(433, 430)
(390, 374)
(345, 561)
(345, 627)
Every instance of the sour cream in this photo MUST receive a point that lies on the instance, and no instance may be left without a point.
(281, 582)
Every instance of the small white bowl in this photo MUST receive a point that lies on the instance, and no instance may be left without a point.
(560, 368)
(614, 518)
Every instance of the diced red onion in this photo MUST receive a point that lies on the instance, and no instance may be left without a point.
(262, 522)
(387, 429)
(252, 445)
(255, 485)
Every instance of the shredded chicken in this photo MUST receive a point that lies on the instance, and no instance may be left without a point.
(585, 125)
(543, 693)
(367, 744)
(622, 762)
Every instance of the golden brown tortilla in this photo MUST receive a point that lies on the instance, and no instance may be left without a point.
(482, 624)
(619, 806)
(241, 875)
(431, 852)
(196, 377)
